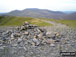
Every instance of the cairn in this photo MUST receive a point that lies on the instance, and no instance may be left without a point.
(29, 40)
(31, 34)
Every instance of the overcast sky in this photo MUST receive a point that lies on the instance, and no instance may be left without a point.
(56, 5)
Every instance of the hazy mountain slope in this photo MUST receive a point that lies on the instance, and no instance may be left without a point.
(71, 16)
(33, 12)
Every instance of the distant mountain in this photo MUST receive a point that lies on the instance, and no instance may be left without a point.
(68, 12)
(41, 13)
(71, 16)
(2, 13)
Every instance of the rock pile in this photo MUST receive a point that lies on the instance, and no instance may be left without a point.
(33, 41)
(27, 34)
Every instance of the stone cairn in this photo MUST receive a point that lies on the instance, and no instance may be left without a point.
(28, 34)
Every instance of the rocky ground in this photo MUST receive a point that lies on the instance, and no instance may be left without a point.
(32, 41)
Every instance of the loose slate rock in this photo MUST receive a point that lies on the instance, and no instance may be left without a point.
(33, 41)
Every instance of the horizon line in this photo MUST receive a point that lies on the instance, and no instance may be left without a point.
(41, 9)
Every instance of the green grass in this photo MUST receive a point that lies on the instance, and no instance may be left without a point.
(38, 22)
(17, 21)
(70, 23)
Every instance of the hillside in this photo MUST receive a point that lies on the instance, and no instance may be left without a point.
(70, 23)
(41, 13)
(17, 21)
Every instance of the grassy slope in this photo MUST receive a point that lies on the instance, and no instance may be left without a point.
(16, 21)
(70, 23)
